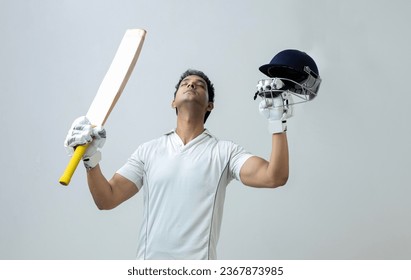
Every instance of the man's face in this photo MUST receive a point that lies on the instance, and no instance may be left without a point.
(193, 90)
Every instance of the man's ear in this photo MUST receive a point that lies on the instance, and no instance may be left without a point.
(174, 106)
(210, 106)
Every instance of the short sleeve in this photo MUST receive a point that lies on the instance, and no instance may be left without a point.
(237, 158)
(133, 169)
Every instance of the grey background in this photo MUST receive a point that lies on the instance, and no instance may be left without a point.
(348, 196)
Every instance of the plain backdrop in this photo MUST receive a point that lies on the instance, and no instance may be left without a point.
(348, 195)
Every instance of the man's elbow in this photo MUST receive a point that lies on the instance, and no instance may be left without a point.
(277, 182)
(283, 181)
(104, 205)
(105, 208)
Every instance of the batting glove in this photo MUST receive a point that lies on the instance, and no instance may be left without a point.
(83, 132)
(277, 110)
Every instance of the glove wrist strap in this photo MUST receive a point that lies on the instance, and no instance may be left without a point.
(92, 161)
(277, 126)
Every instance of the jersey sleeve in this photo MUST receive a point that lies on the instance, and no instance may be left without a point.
(238, 157)
(133, 169)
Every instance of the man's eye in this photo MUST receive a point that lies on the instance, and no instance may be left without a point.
(183, 84)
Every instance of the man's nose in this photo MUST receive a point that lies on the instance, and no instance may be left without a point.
(191, 85)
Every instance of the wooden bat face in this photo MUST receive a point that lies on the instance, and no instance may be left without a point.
(110, 90)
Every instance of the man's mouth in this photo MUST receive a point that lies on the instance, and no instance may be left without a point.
(190, 91)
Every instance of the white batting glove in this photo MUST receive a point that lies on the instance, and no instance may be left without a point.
(81, 133)
(277, 110)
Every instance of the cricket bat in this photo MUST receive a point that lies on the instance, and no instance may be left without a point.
(109, 91)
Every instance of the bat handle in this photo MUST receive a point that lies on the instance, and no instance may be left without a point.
(72, 165)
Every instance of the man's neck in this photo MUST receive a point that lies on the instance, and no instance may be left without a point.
(188, 129)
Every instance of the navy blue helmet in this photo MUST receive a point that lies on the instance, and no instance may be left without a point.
(297, 71)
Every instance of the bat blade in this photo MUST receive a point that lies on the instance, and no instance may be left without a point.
(110, 90)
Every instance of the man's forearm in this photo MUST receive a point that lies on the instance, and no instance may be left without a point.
(278, 167)
(99, 187)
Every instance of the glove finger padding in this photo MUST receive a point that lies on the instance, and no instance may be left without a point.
(80, 133)
(272, 108)
(288, 100)
(277, 110)
(93, 155)
(98, 134)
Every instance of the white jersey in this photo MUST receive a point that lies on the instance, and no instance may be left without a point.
(184, 189)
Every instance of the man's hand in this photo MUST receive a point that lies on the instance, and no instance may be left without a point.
(277, 110)
(82, 132)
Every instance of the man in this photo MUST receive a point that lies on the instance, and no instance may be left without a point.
(184, 173)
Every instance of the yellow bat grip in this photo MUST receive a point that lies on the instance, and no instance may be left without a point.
(72, 165)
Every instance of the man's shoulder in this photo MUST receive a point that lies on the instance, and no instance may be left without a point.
(211, 137)
(222, 142)
(154, 142)
(160, 138)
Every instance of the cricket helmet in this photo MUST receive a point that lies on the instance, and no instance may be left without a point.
(295, 71)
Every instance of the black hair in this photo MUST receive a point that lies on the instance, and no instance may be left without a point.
(210, 86)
